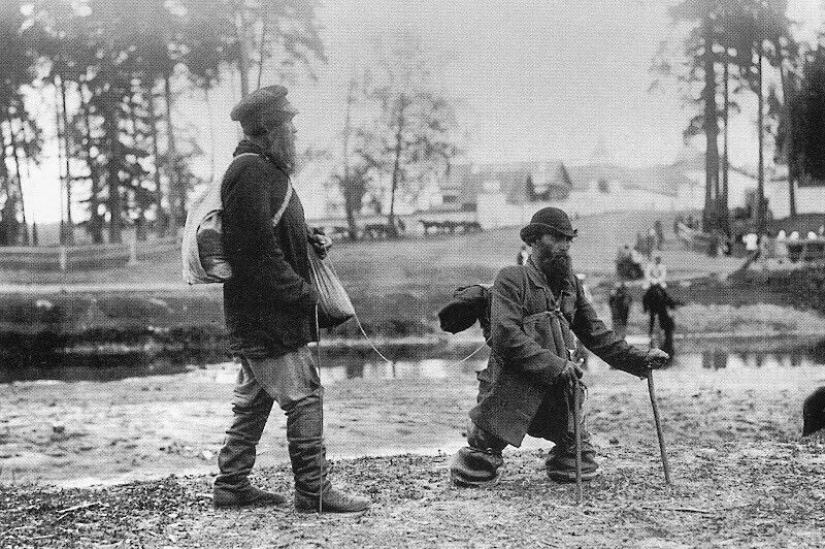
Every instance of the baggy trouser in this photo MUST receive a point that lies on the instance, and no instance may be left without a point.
(478, 464)
(292, 380)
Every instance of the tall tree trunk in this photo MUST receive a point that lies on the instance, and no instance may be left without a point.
(396, 169)
(760, 185)
(724, 214)
(18, 189)
(160, 220)
(113, 169)
(262, 51)
(67, 149)
(62, 233)
(243, 55)
(349, 200)
(7, 225)
(176, 195)
(135, 183)
(787, 98)
(95, 220)
(711, 126)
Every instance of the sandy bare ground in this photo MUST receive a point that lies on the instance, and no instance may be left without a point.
(742, 477)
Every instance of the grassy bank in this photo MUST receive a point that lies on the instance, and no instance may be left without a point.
(397, 288)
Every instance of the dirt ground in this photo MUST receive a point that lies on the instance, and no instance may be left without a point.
(741, 475)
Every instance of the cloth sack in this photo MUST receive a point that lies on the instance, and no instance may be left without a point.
(334, 305)
(204, 261)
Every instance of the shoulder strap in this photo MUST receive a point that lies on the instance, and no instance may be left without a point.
(287, 197)
(277, 217)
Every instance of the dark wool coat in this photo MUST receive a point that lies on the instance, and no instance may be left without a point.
(530, 340)
(269, 303)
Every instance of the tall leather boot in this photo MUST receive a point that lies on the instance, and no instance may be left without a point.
(307, 452)
(237, 456)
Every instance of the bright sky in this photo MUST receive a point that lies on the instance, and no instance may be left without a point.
(538, 79)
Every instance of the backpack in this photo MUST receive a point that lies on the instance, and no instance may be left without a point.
(469, 304)
(204, 261)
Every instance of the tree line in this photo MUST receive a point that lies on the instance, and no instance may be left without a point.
(114, 69)
(736, 47)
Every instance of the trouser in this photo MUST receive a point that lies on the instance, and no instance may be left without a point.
(480, 460)
(293, 381)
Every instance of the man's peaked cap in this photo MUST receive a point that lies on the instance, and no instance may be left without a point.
(263, 108)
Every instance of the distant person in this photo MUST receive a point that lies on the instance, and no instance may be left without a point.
(522, 255)
(628, 265)
(658, 304)
(811, 235)
(620, 301)
(652, 241)
(655, 273)
(751, 241)
(780, 246)
(270, 305)
(527, 387)
(660, 234)
(794, 236)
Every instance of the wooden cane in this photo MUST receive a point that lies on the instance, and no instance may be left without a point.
(322, 459)
(659, 432)
(578, 435)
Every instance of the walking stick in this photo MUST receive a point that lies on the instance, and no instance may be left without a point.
(322, 459)
(659, 432)
(578, 435)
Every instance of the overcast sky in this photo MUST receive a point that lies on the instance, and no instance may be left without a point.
(539, 79)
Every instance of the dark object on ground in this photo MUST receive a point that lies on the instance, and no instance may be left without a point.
(657, 303)
(813, 412)
(251, 497)
(334, 501)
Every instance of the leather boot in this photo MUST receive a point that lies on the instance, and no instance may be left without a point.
(237, 456)
(479, 464)
(304, 432)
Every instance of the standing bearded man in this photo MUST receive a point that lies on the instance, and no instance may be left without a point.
(269, 305)
(527, 387)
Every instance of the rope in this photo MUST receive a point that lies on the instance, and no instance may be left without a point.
(370, 341)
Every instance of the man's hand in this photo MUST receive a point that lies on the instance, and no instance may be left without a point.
(571, 372)
(320, 243)
(655, 359)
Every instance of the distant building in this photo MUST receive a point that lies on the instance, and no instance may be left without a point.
(508, 194)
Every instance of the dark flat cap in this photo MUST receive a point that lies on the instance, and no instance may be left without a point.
(262, 108)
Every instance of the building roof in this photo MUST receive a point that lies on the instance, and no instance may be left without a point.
(470, 180)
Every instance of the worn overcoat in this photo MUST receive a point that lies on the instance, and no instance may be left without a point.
(530, 341)
(269, 302)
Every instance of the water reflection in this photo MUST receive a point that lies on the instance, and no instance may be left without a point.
(717, 359)
(420, 362)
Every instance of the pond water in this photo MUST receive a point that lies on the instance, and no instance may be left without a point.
(416, 362)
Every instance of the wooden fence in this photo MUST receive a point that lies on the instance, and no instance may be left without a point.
(96, 256)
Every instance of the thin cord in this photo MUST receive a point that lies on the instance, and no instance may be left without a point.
(369, 340)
